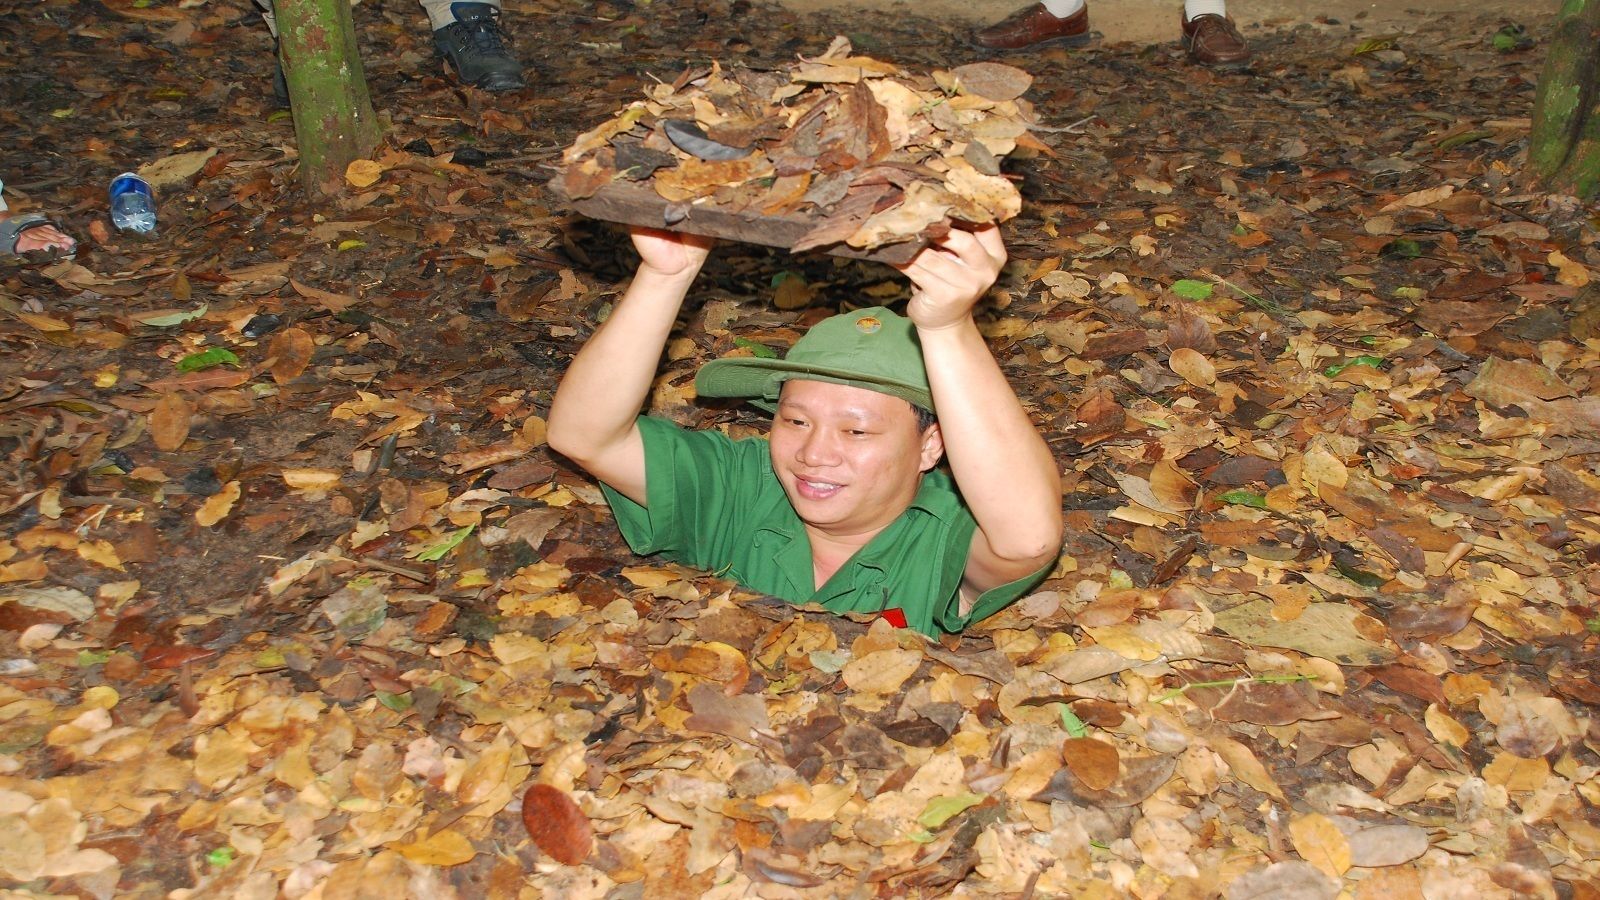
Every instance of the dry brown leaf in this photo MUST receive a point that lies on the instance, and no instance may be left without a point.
(993, 81)
(1193, 367)
(1094, 761)
(169, 422)
(557, 825)
(332, 302)
(1291, 880)
(1505, 382)
(175, 171)
(290, 352)
(1380, 844)
(712, 660)
(1424, 197)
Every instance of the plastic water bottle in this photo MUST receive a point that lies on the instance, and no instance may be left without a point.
(133, 204)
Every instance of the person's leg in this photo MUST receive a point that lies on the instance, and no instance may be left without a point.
(30, 234)
(468, 36)
(1210, 36)
(280, 85)
(268, 16)
(1047, 22)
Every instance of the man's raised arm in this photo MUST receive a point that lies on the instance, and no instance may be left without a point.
(593, 416)
(1000, 462)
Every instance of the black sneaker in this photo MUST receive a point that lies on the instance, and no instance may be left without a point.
(476, 49)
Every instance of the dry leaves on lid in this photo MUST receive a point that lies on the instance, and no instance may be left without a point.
(860, 150)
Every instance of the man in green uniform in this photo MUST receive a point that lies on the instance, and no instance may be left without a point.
(842, 504)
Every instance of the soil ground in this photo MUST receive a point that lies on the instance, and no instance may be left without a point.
(1155, 21)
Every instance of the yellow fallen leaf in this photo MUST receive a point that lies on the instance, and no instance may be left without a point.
(1424, 197)
(1126, 642)
(1444, 728)
(101, 696)
(443, 848)
(42, 322)
(1320, 466)
(363, 173)
(101, 553)
(1321, 843)
(1568, 271)
(218, 505)
(175, 171)
(882, 672)
(1192, 366)
(315, 480)
(650, 576)
(533, 432)
(1516, 774)
(31, 569)
(1245, 766)
(220, 757)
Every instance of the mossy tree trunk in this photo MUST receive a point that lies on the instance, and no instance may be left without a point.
(1564, 144)
(333, 119)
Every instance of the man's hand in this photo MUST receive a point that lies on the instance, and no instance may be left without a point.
(951, 274)
(670, 253)
(1000, 462)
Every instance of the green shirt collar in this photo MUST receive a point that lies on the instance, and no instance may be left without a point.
(785, 536)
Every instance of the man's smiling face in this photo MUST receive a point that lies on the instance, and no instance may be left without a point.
(849, 459)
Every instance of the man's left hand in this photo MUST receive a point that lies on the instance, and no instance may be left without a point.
(950, 275)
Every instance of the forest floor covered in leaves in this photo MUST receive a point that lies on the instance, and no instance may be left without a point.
(294, 601)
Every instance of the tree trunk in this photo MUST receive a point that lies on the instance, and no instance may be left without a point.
(333, 119)
(1564, 144)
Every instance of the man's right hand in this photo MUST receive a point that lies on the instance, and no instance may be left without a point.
(671, 253)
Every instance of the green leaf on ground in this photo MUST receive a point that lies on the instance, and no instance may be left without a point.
(442, 549)
(1466, 137)
(942, 809)
(1069, 720)
(208, 359)
(1404, 248)
(1243, 498)
(397, 702)
(1511, 38)
(1359, 576)
(1190, 289)
(756, 348)
(1370, 361)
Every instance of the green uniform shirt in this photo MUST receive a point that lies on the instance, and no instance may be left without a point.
(715, 504)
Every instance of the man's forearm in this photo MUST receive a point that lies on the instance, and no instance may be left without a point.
(1003, 467)
(606, 385)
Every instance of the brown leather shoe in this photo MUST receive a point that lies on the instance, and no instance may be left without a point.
(1034, 25)
(1212, 40)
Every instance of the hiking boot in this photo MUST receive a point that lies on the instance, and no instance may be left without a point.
(476, 49)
